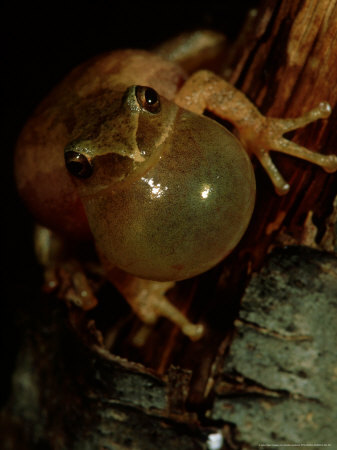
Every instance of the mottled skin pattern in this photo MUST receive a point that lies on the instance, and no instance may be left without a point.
(166, 192)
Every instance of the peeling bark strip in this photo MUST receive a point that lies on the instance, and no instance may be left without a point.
(275, 381)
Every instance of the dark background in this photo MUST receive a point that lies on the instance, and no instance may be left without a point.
(41, 43)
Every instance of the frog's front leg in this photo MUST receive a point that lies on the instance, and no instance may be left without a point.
(63, 273)
(148, 300)
(259, 135)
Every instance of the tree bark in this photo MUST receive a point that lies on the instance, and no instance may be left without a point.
(277, 385)
(264, 372)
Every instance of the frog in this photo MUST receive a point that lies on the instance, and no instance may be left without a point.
(121, 155)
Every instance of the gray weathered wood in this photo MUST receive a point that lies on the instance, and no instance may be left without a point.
(278, 384)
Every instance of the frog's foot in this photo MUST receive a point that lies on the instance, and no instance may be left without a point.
(62, 274)
(270, 137)
(71, 284)
(148, 300)
(151, 303)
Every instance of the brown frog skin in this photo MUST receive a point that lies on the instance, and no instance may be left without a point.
(120, 153)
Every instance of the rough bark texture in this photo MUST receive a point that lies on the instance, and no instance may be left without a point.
(278, 382)
(275, 385)
(269, 379)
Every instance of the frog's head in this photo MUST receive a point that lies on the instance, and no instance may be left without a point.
(123, 144)
(167, 193)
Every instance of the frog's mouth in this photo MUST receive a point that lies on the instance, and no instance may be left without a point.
(110, 171)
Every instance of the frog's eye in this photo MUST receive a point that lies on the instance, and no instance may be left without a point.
(78, 164)
(148, 99)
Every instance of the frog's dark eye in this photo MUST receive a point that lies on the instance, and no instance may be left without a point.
(78, 164)
(148, 99)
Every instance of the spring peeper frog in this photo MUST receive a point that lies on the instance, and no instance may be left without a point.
(120, 153)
